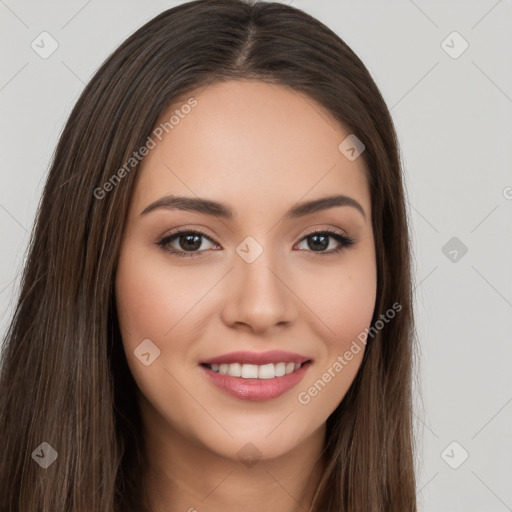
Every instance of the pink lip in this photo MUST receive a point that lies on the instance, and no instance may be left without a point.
(272, 356)
(256, 389)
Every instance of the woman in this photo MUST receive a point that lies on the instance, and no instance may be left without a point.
(215, 312)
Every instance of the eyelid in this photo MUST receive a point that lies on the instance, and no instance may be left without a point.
(319, 228)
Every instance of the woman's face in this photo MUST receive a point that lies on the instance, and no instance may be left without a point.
(257, 282)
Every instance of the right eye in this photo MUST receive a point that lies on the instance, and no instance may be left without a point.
(190, 242)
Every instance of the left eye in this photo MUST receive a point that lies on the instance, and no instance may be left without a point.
(320, 240)
(190, 242)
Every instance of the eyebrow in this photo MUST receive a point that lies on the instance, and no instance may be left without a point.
(215, 209)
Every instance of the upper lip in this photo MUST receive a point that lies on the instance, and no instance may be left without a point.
(259, 358)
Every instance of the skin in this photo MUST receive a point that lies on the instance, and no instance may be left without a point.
(259, 148)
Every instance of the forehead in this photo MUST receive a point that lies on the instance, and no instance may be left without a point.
(250, 143)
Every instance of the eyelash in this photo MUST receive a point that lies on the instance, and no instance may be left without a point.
(344, 241)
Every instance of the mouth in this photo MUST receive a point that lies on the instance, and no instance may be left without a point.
(254, 371)
(256, 376)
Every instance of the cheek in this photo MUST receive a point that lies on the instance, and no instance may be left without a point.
(153, 302)
(341, 299)
(343, 303)
(352, 308)
(163, 305)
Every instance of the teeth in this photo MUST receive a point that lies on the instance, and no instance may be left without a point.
(266, 371)
(249, 371)
(235, 370)
(280, 369)
(254, 371)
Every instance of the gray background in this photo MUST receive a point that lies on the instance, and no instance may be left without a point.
(454, 122)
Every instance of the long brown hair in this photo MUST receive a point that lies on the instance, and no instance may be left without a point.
(64, 377)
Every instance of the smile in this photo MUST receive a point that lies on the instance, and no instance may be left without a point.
(254, 371)
(256, 376)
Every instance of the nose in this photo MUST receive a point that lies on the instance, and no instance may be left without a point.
(259, 296)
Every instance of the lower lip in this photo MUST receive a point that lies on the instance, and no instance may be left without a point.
(256, 389)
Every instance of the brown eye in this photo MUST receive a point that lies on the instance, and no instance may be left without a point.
(319, 241)
(188, 242)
